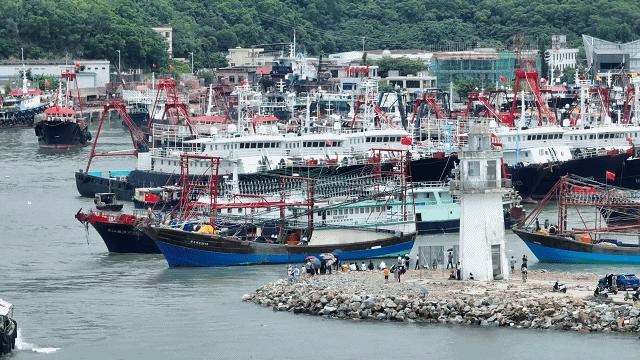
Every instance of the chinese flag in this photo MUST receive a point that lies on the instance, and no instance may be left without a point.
(610, 176)
(503, 79)
(151, 198)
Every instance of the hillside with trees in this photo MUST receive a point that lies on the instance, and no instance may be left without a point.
(97, 28)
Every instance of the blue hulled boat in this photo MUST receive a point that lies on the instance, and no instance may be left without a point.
(565, 249)
(189, 248)
(600, 239)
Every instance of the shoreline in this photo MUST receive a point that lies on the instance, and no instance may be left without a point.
(427, 296)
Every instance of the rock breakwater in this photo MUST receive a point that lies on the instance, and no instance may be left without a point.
(365, 296)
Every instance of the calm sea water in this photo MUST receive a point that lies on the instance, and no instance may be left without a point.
(76, 301)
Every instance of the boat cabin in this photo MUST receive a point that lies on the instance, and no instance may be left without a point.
(107, 201)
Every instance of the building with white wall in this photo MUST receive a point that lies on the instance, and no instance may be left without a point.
(250, 57)
(412, 83)
(559, 57)
(167, 34)
(350, 57)
(93, 75)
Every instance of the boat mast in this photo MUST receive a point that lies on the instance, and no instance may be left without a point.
(24, 74)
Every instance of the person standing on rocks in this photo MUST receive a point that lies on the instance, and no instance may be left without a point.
(417, 262)
(386, 274)
(524, 273)
(524, 261)
(449, 259)
(397, 273)
(371, 266)
(513, 263)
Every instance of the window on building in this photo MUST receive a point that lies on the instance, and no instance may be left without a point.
(474, 169)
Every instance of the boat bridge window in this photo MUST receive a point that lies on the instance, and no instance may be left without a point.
(538, 137)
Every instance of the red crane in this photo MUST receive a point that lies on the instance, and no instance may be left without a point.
(429, 99)
(474, 96)
(529, 74)
(173, 106)
(137, 137)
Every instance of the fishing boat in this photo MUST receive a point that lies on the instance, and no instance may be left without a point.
(119, 232)
(61, 125)
(582, 239)
(184, 248)
(18, 108)
(356, 219)
(8, 328)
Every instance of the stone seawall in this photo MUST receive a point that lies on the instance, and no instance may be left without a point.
(425, 297)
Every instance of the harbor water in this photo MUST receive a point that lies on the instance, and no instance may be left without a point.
(73, 300)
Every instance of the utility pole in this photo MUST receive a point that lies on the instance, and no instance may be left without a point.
(191, 62)
(119, 69)
(363, 43)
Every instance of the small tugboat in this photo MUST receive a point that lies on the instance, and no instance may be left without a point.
(8, 328)
(119, 232)
(107, 201)
(61, 126)
(597, 242)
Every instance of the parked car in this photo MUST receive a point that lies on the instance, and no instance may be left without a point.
(615, 282)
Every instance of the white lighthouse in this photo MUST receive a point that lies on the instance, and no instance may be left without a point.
(479, 184)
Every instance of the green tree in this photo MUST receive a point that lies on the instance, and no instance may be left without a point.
(464, 87)
(568, 75)
(403, 65)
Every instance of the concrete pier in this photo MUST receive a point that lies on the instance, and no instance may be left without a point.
(427, 296)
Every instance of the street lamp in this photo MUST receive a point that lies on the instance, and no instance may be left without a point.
(119, 71)
(191, 62)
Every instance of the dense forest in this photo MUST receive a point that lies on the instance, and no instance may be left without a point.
(97, 28)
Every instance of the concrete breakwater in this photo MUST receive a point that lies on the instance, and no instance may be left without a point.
(428, 298)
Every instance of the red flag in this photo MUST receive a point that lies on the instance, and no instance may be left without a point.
(610, 176)
(151, 198)
(46, 82)
(503, 79)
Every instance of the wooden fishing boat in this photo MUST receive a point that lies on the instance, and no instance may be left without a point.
(581, 239)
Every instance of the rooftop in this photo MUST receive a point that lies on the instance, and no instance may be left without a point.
(69, 62)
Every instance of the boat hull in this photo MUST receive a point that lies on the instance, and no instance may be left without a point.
(182, 248)
(559, 249)
(57, 133)
(20, 118)
(535, 180)
(433, 168)
(125, 238)
(89, 185)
